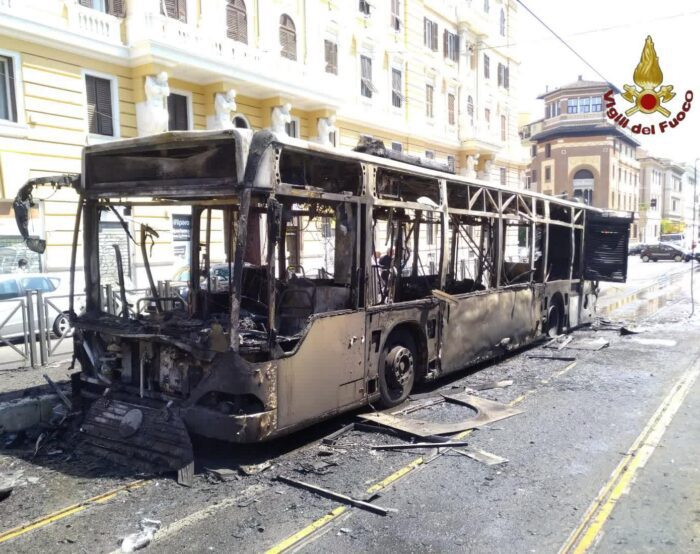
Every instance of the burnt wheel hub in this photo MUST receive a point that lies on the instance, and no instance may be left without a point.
(399, 366)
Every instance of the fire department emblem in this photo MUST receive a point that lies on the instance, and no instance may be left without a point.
(648, 95)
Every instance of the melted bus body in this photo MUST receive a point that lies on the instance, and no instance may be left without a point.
(424, 273)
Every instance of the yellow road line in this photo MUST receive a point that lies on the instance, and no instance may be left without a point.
(589, 530)
(68, 511)
(398, 474)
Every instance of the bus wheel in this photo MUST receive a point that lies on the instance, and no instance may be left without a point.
(553, 320)
(397, 369)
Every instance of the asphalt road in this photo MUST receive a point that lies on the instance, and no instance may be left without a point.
(614, 421)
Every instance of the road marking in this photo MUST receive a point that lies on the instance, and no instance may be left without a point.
(69, 511)
(296, 538)
(590, 528)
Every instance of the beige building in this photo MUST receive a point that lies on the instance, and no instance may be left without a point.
(576, 153)
(429, 77)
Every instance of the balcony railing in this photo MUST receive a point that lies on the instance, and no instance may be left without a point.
(93, 23)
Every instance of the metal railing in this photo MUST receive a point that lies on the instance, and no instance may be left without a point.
(34, 326)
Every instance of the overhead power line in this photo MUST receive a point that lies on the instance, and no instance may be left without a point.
(579, 56)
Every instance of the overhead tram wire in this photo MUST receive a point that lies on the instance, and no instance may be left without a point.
(579, 56)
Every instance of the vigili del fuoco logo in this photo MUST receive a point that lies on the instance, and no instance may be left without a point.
(648, 97)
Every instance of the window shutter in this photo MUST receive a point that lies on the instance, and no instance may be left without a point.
(182, 11)
(86, 3)
(445, 41)
(506, 78)
(425, 31)
(115, 8)
(91, 103)
(237, 21)
(103, 91)
(177, 110)
(434, 37)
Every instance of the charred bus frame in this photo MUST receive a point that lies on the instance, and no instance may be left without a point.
(275, 350)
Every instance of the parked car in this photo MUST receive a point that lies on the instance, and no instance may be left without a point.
(636, 249)
(663, 251)
(14, 286)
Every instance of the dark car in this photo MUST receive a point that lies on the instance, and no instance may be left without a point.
(662, 251)
(636, 249)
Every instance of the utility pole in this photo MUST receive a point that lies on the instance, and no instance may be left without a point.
(694, 240)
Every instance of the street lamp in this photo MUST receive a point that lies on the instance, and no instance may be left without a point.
(694, 240)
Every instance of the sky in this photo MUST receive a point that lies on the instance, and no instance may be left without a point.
(610, 34)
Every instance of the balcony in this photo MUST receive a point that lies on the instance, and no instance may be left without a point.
(94, 24)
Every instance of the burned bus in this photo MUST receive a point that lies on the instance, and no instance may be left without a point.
(430, 273)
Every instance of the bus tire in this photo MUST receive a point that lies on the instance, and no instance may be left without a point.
(397, 368)
(554, 317)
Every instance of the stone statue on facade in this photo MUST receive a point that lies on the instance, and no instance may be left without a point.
(152, 114)
(485, 173)
(326, 127)
(469, 171)
(224, 107)
(281, 115)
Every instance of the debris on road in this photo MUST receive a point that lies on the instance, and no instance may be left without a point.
(493, 385)
(481, 456)
(545, 357)
(143, 538)
(487, 411)
(318, 467)
(59, 392)
(418, 445)
(589, 344)
(333, 437)
(560, 342)
(255, 468)
(336, 496)
(222, 474)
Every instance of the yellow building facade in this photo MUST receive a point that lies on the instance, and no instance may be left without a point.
(434, 78)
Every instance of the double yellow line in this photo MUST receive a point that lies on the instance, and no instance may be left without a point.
(334, 514)
(69, 511)
(591, 526)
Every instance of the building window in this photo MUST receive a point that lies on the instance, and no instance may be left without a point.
(487, 117)
(430, 155)
(451, 109)
(397, 147)
(331, 49)
(487, 68)
(112, 7)
(502, 25)
(396, 88)
(451, 163)
(292, 128)
(430, 32)
(99, 106)
(584, 105)
(396, 15)
(501, 74)
(548, 150)
(8, 98)
(429, 92)
(288, 37)
(470, 108)
(533, 176)
(547, 174)
(236, 21)
(504, 174)
(175, 9)
(364, 7)
(486, 6)
(596, 104)
(533, 150)
(366, 86)
(503, 128)
(572, 105)
(450, 43)
(178, 117)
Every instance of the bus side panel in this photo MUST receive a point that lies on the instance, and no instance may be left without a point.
(486, 323)
(325, 373)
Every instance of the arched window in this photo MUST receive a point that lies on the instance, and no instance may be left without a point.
(240, 122)
(583, 186)
(236, 21)
(503, 23)
(288, 37)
